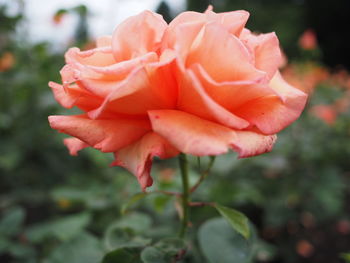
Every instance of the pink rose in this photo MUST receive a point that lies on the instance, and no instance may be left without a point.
(201, 85)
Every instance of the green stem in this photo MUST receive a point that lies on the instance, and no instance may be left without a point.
(185, 194)
(204, 174)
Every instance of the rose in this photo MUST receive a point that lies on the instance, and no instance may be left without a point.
(201, 85)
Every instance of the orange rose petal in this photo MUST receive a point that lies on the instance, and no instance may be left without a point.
(231, 94)
(162, 79)
(101, 56)
(137, 157)
(186, 17)
(193, 135)
(233, 21)
(105, 135)
(194, 100)
(181, 38)
(74, 145)
(273, 113)
(266, 50)
(128, 41)
(108, 78)
(99, 80)
(182, 31)
(268, 54)
(251, 143)
(216, 44)
(133, 96)
(72, 95)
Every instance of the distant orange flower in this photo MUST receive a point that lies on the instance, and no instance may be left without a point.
(326, 113)
(306, 76)
(57, 19)
(341, 78)
(343, 227)
(7, 60)
(58, 16)
(343, 104)
(308, 40)
(305, 248)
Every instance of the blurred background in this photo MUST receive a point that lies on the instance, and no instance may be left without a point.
(57, 208)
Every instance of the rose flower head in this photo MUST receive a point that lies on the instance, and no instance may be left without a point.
(201, 85)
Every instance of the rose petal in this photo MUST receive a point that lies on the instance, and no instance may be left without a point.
(162, 79)
(187, 17)
(267, 51)
(273, 113)
(101, 56)
(72, 95)
(144, 89)
(250, 143)
(105, 135)
(137, 157)
(100, 80)
(193, 135)
(231, 94)
(194, 99)
(74, 145)
(138, 35)
(233, 21)
(182, 31)
(233, 62)
(181, 37)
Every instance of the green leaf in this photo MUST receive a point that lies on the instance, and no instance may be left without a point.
(237, 220)
(69, 227)
(82, 248)
(134, 199)
(139, 222)
(171, 246)
(122, 255)
(122, 233)
(219, 243)
(117, 237)
(160, 202)
(12, 221)
(63, 229)
(153, 255)
(5, 243)
(166, 250)
(23, 251)
(346, 257)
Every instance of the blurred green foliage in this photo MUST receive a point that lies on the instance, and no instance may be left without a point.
(56, 208)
